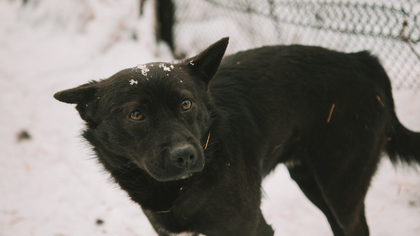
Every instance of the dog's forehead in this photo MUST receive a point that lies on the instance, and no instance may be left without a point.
(157, 70)
(146, 75)
(147, 81)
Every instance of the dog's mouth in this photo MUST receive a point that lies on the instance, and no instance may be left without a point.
(185, 176)
(170, 174)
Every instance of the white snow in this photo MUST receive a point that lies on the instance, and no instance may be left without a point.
(132, 82)
(144, 69)
(50, 184)
(166, 68)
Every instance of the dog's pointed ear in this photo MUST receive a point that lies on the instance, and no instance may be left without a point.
(207, 62)
(82, 95)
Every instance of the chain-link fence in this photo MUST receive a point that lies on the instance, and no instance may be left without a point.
(390, 29)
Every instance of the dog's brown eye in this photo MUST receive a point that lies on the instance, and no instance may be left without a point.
(186, 104)
(136, 115)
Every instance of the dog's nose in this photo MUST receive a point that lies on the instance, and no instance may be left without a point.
(183, 156)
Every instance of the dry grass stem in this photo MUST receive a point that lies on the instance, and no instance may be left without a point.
(207, 142)
(331, 111)
(380, 101)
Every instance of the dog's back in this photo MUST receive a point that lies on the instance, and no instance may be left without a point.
(303, 99)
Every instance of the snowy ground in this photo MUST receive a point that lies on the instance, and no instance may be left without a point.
(51, 185)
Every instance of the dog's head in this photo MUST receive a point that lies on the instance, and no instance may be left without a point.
(154, 115)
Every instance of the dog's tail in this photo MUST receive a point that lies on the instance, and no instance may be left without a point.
(404, 145)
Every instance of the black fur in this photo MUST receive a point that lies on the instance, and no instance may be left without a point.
(327, 115)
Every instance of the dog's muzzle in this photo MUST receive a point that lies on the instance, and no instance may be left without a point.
(180, 162)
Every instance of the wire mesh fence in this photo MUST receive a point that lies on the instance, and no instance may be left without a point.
(390, 29)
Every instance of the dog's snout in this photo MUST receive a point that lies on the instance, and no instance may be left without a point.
(183, 156)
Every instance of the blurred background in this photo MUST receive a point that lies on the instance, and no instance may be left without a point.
(50, 182)
(390, 29)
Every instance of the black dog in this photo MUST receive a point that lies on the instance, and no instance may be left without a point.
(191, 141)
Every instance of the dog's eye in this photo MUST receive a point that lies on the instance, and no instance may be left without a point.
(186, 104)
(136, 115)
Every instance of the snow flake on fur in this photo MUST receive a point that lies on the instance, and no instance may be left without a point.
(143, 69)
(166, 68)
(132, 82)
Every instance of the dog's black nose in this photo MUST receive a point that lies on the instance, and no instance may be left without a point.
(183, 156)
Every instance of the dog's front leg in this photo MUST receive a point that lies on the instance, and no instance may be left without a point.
(252, 226)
